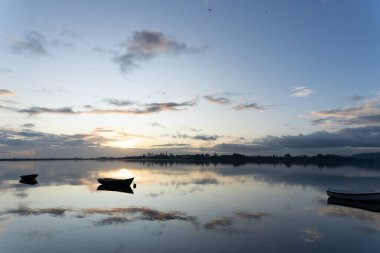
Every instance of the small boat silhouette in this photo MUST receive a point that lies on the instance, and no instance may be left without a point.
(354, 195)
(115, 182)
(29, 177)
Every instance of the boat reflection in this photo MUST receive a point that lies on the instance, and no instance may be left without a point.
(28, 181)
(368, 206)
(124, 189)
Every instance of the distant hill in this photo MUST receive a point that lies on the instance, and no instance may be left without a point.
(375, 156)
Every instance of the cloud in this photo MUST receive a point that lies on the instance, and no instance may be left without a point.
(362, 137)
(13, 140)
(33, 43)
(5, 70)
(218, 100)
(156, 124)
(142, 109)
(249, 106)
(202, 137)
(149, 108)
(4, 92)
(365, 113)
(28, 125)
(118, 102)
(171, 145)
(148, 44)
(42, 110)
(301, 91)
(355, 98)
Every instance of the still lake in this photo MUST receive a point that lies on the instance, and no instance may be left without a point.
(184, 208)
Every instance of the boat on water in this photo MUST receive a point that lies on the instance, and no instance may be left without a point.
(29, 177)
(124, 189)
(367, 206)
(115, 182)
(354, 195)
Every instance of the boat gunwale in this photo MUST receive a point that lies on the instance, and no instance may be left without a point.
(352, 194)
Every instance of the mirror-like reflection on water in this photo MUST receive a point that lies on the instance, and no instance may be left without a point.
(184, 207)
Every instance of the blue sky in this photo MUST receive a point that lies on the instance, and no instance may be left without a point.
(90, 78)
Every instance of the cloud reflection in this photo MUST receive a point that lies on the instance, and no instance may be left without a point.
(311, 235)
(26, 211)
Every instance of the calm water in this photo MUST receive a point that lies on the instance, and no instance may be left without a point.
(183, 208)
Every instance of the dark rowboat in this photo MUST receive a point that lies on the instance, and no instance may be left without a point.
(30, 177)
(354, 195)
(115, 182)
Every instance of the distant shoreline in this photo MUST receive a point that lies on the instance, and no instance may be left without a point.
(234, 159)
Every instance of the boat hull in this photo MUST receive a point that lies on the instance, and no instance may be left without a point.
(30, 177)
(355, 196)
(115, 182)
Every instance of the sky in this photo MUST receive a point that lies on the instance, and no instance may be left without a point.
(112, 78)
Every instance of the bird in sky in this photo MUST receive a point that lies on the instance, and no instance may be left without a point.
(209, 9)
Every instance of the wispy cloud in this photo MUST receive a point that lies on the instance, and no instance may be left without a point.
(301, 91)
(5, 70)
(118, 102)
(218, 100)
(355, 98)
(149, 108)
(28, 125)
(249, 106)
(148, 44)
(171, 145)
(225, 99)
(4, 92)
(141, 109)
(365, 113)
(33, 43)
(156, 124)
(202, 137)
(42, 110)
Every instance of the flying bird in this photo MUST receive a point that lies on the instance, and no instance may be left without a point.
(209, 9)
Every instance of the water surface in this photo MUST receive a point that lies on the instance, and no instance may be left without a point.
(184, 208)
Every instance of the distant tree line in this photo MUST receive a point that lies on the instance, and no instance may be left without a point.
(240, 159)
(235, 159)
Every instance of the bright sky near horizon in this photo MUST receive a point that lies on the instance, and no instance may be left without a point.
(93, 78)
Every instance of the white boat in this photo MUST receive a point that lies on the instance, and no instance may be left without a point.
(354, 195)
